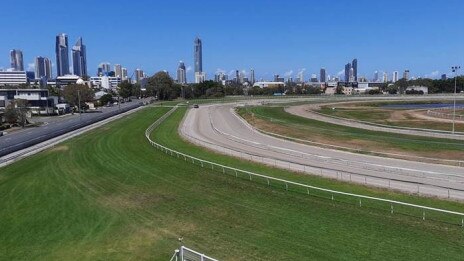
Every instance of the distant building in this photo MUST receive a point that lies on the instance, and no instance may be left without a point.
(16, 60)
(252, 76)
(423, 89)
(406, 75)
(139, 75)
(13, 78)
(181, 73)
(347, 72)
(200, 77)
(124, 75)
(79, 58)
(62, 55)
(395, 76)
(43, 68)
(118, 70)
(354, 66)
(103, 69)
(385, 77)
(443, 76)
(198, 55)
(322, 76)
(105, 82)
(351, 75)
(313, 78)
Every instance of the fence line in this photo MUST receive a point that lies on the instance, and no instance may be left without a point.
(250, 174)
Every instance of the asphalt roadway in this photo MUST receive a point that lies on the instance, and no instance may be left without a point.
(219, 128)
(20, 139)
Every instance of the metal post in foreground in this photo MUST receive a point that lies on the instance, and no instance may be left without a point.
(455, 70)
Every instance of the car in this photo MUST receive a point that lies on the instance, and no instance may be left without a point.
(196, 106)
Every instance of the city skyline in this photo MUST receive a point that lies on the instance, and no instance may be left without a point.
(225, 50)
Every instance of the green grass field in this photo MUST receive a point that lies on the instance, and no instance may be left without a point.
(109, 195)
(385, 116)
(275, 119)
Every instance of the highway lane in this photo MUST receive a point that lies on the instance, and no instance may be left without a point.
(218, 127)
(15, 141)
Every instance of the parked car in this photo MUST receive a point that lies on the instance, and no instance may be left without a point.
(196, 106)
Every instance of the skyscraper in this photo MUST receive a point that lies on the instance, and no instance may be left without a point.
(16, 59)
(198, 55)
(181, 73)
(62, 55)
(103, 69)
(252, 76)
(347, 72)
(395, 76)
(43, 68)
(322, 76)
(124, 74)
(118, 71)
(79, 58)
(139, 75)
(406, 75)
(354, 65)
(385, 77)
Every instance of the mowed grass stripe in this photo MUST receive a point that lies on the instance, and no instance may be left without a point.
(109, 195)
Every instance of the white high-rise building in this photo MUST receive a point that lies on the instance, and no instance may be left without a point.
(124, 74)
(385, 77)
(395, 76)
(118, 70)
(200, 77)
(181, 73)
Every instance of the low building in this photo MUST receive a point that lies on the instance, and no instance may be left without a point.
(11, 78)
(38, 100)
(105, 82)
(269, 84)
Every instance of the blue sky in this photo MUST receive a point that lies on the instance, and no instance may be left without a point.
(273, 37)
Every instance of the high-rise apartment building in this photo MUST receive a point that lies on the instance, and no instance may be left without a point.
(43, 68)
(16, 60)
(322, 75)
(79, 58)
(406, 75)
(347, 72)
(124, 76)
(354, 65)
(118, 71)
(395, 77)
(62, 55)
(252, 76)
(181, 73)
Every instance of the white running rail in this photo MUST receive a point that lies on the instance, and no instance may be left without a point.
(204, 163)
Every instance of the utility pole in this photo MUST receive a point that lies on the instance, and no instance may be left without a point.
(455, 70)
(79, 103)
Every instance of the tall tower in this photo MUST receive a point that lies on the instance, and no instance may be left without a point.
(252, 76)
(43, 68)
(322, 76)
(347, 72)
(406, 75)
(354, 65)
(395, 76)
(16, 59)
(118, 71)
(181, 73)
(62, 55)
(79, 58)
(198, 55)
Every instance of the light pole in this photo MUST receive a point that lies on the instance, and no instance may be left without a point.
(455, 70)
(79, 103)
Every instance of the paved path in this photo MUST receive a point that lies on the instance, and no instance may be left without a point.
(219, 128)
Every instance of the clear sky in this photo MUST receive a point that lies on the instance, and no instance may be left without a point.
(273, 37)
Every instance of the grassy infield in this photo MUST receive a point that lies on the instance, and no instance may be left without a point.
(303, 128)
(109, 195)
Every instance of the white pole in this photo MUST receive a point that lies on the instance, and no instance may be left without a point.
(455, 70)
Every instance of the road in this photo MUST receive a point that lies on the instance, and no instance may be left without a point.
(218, 127)
(19, 139)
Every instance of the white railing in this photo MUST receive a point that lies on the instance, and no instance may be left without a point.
(227, 169)
(187, 254)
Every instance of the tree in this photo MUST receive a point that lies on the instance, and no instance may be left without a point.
(162, 86)
(75, 92)
(16, 112)
(126, 89)
(105, 99)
